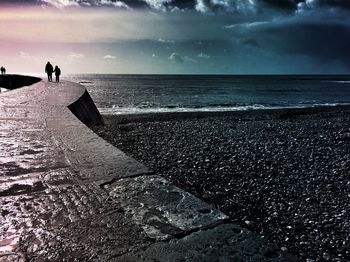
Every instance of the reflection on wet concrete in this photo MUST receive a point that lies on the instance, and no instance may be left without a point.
(162, 209)
(52, 207)
(23, 186)
(68, 195)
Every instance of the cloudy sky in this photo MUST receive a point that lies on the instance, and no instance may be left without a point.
(176, 36)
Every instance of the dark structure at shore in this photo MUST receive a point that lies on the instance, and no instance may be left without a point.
(17, 81)
(284, 174)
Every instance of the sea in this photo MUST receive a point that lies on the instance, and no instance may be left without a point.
(137, 94)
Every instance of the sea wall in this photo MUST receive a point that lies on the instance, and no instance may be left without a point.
(86, 111)
(17, 81)
(83, 108)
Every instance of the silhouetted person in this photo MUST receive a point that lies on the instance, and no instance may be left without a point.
(57, 73)
(3, 70)
(48, 71)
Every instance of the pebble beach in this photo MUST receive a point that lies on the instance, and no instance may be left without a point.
(283, 174)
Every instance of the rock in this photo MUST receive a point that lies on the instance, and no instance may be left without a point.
(284, 249)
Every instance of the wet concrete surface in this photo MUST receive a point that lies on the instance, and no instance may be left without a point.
(225, 242)
(163, 210)
(68, 195)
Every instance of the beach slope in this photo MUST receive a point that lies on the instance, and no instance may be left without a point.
(283, 174)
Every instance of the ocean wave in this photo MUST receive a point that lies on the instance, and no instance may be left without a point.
(340, 81)
(171, 109)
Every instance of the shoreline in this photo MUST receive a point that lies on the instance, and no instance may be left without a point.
(275, 112)
(281, 173)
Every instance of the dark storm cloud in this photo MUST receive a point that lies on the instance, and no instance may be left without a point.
(326, 42)
(331, 3)
(250, 42)
(283, 4)
(203, 6)
(265, 6)
(19, 2)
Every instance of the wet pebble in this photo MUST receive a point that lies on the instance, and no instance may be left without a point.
(285, 178)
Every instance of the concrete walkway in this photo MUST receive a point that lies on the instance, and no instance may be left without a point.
(68, 195)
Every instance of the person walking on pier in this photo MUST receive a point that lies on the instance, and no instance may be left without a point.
(57, 73)
(48, 71)
(3, 70)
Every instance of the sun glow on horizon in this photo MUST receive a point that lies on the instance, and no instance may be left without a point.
(72, 26)
(31, 36)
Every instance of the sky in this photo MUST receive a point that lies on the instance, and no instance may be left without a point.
(176, 36)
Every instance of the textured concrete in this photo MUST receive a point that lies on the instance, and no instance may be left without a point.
(67, 195)
(163, 210)
(225, 242)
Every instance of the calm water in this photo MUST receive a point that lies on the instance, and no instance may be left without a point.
(116, 94)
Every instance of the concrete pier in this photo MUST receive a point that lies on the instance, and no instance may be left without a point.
(68, 195)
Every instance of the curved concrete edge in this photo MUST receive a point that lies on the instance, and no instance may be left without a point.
(86, 111)
(67, 194)
(83, 107)
(47, 108)
(17, 81)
